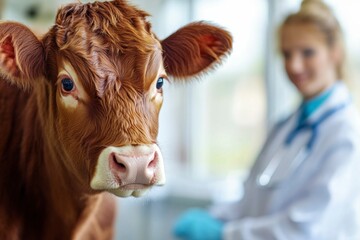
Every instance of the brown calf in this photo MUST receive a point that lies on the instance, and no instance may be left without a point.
(79, 115)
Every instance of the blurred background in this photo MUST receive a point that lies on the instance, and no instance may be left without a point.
(211, 130)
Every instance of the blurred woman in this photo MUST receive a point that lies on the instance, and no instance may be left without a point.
(303, 184)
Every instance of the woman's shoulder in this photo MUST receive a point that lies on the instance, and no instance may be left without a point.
(348, 119)
(343, 128)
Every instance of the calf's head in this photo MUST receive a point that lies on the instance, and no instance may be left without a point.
(98, 78)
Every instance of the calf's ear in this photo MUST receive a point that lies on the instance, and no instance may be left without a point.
(21, 54)
(195, 48)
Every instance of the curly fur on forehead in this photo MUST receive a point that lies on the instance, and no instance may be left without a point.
(120, 24)
(113, 38)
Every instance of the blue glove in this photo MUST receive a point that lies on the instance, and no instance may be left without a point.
(197, 224)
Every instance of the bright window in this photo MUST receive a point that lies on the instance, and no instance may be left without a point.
(229, 123)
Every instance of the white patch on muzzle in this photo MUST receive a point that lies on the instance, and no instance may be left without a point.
(129, 170)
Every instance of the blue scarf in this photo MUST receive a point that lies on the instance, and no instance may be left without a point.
(308, 107)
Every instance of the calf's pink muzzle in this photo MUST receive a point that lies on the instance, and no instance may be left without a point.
(137, 168)
(129, 170)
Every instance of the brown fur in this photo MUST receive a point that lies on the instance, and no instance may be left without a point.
(48, 154)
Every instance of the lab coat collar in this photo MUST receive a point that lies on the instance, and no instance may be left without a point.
(340, 95)
(308, 107)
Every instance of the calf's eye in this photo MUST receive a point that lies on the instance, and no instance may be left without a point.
(160, 83)
(67, 84)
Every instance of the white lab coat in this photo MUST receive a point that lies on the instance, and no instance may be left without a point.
(316, 200)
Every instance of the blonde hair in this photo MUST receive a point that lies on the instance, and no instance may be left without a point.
(319, 14)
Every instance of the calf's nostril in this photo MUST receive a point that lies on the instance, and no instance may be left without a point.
(152, 164)
(121, 166)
